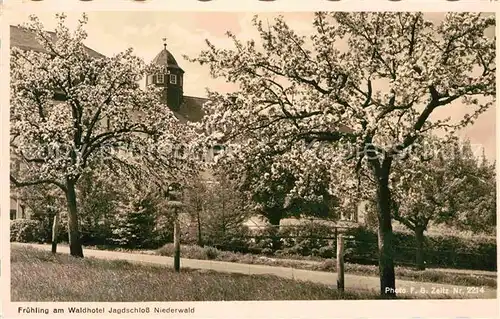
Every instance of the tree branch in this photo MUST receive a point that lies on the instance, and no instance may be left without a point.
(17, 183)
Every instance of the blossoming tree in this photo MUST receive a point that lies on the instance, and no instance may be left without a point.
(445, 184)
(71, 111)
(276, 187)
(367, 80)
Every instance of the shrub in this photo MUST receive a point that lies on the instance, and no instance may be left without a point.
(295, 250)
(267, 251)
(98, 233)
(27, 231)
(46, 221)
(135, 223)
(307, 238)
(187, 251)
(363, 249)
(236, 239)
(280, 252)
(328, 265)
(217, 214)
(163, 231)
(456, 252)
(211, 252)
(229, 256)
(260, 245)
(327, 252)
(97, 205)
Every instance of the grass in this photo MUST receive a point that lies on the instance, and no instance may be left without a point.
(405, 273)
(38, 275)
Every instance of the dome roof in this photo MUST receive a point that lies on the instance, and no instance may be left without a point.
(165, 58)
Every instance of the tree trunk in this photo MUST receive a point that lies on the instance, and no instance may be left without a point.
(385, 235)
(55, 232)
(177, 243)
(75, 244)
(274, 218)
(419, 237)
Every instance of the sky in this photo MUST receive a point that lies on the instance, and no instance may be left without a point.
(111, 32)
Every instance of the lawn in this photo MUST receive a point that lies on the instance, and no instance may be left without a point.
(38, 275)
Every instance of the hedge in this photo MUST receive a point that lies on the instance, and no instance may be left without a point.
(440, 251)
(27, 231)
(361, 247)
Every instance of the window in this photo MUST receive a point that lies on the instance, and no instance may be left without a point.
(160, 78)
(173, 79)
(15, 164)
(13, 214)
(149, 79)
(217, 149)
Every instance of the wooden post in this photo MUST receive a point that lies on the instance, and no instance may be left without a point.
(340, 262)
(174, 201)
(55, 232)
(177, 242)
(336, 238)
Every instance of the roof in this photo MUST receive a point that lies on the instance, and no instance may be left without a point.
(26, 40)
(165, 58)
(191, 109)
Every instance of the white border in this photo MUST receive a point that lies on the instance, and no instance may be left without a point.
(254, 5)
(4, 156)
(271, 309)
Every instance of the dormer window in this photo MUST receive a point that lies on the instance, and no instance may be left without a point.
(160, 78)
(173, 79)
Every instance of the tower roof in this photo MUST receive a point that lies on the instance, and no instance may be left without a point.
(165, 58)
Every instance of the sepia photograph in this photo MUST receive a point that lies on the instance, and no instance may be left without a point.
(252, 156)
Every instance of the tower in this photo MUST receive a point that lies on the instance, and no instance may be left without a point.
(171, 80)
